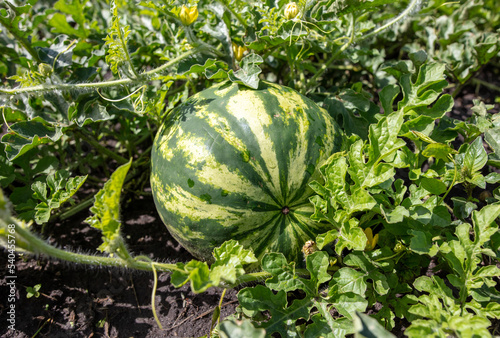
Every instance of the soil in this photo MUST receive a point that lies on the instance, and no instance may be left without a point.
(80, 301)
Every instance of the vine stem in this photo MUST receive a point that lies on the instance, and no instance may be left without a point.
(237, 16)
(100, 148)
(144, 77)
(125, 49)
(27, 241)
(325, 66)
(412, 6)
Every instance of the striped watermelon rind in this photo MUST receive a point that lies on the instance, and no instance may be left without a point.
(235, 163)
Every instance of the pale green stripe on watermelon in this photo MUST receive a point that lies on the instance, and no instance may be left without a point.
(331, 142)
(186, 205)
(248, 106)
(212, 172)
(291, 103)
(219, 176)
(165, 151)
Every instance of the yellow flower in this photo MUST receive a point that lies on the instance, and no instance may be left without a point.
(371, 241)
(238, 51)
(291, 10)
(188, 15)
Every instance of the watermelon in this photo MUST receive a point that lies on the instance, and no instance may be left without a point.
(234, 163)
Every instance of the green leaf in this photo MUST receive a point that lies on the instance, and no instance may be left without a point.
(351, 237)
(76, 9)
(492, 137)
(425, 90)
(195, 272)
(317, 264)
(354, 112)
(443, 312)
(347, 304)
(328, 237)
(60, 24)
(433, 185)
(62, 187)
(348, 280)
(462, 208)
(7, 171)
(88, 109)
(13, 18)
(484, 223)
(27, 135)
(384, 137)
(487, 49)
(443, 105)
(320, 328)
(59, 54)
(202, 64)
(487, 271)
(357, 200)
(106, 210)
(40, 191)
(230, 258)
(248, 74)
(438, 150)
(368, 327)
(117, 56)
(421, 243)
(220, 31)
(284, 277)
(387, 96)
(396, 215)
(232, 328)
(283, 316)
(370, 271)
(475, 156)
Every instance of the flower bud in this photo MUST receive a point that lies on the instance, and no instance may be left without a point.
(484, 195)
(44, 69)
(291, 10)
(238, 51)
(399, 247)
(309, 248)
(188, 15)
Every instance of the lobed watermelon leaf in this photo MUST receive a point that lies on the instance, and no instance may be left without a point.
(248, 74)
(230, 260)
(61, 186)
(106, 210)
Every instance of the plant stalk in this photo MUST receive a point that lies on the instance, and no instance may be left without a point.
(27, 241)
(411, 7)
(102, 149)
(143, 78)
(335, 55)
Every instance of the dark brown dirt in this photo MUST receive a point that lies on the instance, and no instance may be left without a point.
(82, 301)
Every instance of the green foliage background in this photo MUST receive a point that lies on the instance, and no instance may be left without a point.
(86, 84)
